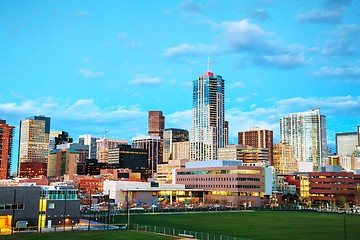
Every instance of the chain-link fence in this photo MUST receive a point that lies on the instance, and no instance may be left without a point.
(182, 233)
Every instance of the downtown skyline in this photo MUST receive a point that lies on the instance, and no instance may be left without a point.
(90, 68)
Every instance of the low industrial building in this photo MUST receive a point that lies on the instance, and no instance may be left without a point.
(37, 206)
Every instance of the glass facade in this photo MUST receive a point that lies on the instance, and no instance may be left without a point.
(34, 142)
(346, 143)
(171, 136)
(306, 133)
(208, 129)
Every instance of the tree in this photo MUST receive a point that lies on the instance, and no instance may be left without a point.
(290, 198)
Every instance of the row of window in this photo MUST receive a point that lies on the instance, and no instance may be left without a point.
(12, 206)
(331, 182)
(351, 189)
(222, 186)
(220, 179)
(223, 193)
(237, 171)
(344, 177)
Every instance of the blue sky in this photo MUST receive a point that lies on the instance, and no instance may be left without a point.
(91, 65)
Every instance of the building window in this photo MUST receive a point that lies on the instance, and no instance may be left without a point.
(51, 205)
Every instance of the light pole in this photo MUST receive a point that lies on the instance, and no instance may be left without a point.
(344, 225)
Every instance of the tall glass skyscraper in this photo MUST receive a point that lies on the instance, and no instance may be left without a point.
(207, 133)
(306, 133)
(346, 143)
(172, 135)
(33, 146)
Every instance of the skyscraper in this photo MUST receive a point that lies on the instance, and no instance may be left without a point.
(152, 145)
(207, 133)
(33, 146)
(258, 138)
(90, 140)
(156, 123)
(347, 142)
(283, 158)
(62, 161)
(6, 141)
(226, 133)
(156, 128)
(306, 133)
(171, 136)
(59, 137)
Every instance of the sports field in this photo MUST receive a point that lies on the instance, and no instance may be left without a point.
(259, 225)
(93, 235)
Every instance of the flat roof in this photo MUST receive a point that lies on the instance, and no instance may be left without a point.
(158, 189)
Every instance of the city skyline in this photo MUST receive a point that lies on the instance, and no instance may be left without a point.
(90, 68)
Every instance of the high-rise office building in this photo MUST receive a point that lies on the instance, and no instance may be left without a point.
(83, 150)
(62, 161)
(6, 141)
(90, 140)
(226, 133)
(208, 126)
(171, 136)
(283, 158)
(125, 156)
(181, 150)
(152, 145)
(347, 142)
(103, 146)
(258, 138)
(156, 123)
(250, 155)
(33, 146)
(59, 137)
(156, 128)
(306, 133)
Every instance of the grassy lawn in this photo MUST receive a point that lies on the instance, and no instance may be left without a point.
(259, 225)
(93, 235)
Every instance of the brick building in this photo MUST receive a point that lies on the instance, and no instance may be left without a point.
(259, 139)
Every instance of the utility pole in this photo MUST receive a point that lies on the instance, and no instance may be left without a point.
(13, 216)
(65, 209)
(128, 209)
(344, 224)
(108, 211)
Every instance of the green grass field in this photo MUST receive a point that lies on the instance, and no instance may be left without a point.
(259, 225)
(93, 235)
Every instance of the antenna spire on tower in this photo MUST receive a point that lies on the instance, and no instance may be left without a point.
(208, 64)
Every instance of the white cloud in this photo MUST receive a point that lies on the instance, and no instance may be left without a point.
(123, 36)
(86, 60)
(244, 37)
(90, 74)
(236, 84)
(284, 61)
(180, 119)
(190, 8)
(349, 71)
(145, 80)
(190, 50)
(321, 16)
